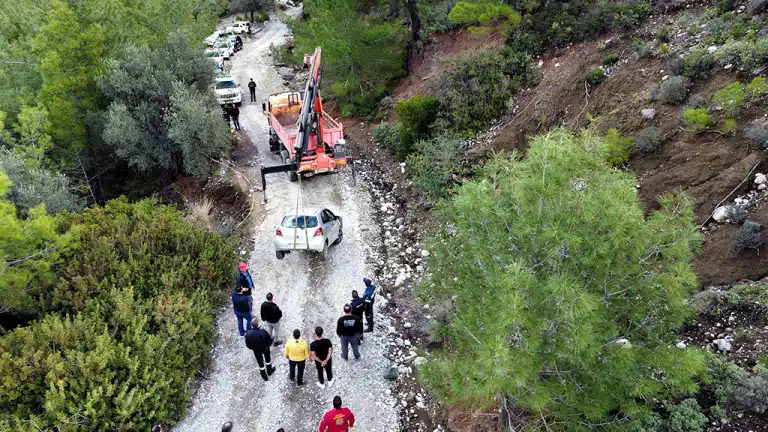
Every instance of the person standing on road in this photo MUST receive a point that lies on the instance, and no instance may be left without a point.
(347, 328)
(252, 89)
(369, 297)
(238, 43)
(322, 351)
(242, 304)
(338, 419)
(358, 308)
(259, 341)
(297, 353)
(271, 314)
(234, 112)
(244, 279)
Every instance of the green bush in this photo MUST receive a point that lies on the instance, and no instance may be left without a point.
(746, 53)
(756, 88)
(434, 17)
(610, 59)
(648, 140)
(640, 47)
(697, 63)
(430, 167)
(676, 65)
(415, 115)
(673, 90)
(617, 147)
(733, 386)
(388, 136)
(697, 119)
(686, 417)
(549, 257)
(663, 48)
(731, 98)
(595, 76)
(476, 88)
(484, 14)
(662, 35)
(130, 322)
(729, 127)
(759, 136)
(746, 237)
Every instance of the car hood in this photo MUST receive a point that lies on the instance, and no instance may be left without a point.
(227, 92)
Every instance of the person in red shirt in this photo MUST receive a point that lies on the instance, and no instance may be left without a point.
(338, 419)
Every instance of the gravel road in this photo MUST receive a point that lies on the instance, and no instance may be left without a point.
(309, 292)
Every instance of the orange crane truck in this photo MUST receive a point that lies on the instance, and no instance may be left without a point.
(308, 140)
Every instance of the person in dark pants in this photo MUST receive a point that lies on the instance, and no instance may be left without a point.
(242, 305)
(358, 309)
(258, 340)
(369, 297)
(347, 328)
(234, 112)
(297, 353)
(238, 43)
(252, 89)
(322, 351)
(271, 314)
(225, 114)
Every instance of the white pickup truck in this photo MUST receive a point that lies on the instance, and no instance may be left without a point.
(239, 27)
(227, 91)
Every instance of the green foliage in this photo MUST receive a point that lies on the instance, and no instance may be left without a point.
(729, 127)
(663, 33)
(735, 387)
(30, 247)
(595, 76)
(731, 98)
(640, 47)
(33, 141)
(610, 59)
(686, 417)
(663, 48)
(33, 185)
(756, 88)
(744, 52)
(648, 140)
(143, 85)
(746, 237)
(430, 167)
(434, 17)
(476, 88)
(759, 136)
(674, 90)
(130, 323)
(388, 136)
(617, 147)
(697, 63)
(550, 260)
(676, 65)
(697, 119)
(485, 14)
(362, 55)
(416, 115)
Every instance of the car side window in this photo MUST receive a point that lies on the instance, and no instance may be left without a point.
(324, 216)
(331, 216)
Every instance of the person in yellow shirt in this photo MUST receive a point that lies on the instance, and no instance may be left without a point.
(297, 352)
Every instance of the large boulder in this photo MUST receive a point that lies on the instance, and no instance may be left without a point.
(721, 214)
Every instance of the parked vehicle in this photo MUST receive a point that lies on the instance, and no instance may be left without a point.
(228, 35)
(227, 91)
(226, 48)
(216, 57)
(211, 40)
(315, 229)
(240, 27)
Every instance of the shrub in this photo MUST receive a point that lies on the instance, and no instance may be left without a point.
(731, 98)
(673, 90)
(697, 63)
(595, 76)
(430, 167)
(756, 88)
(676, 65)
(434, 17)
(640, 47)
(647, 140)
(616, 147)
(746, 237)
(697, 119)
(663, 48)
(348, 110)
(388, 136)
(524, 233)
(610, 59)
(662, 35)
(485, 14)
(729, 127)
(475, 90)
(735, 387)
(759, 136)
(744, 52)
(736, 213)
(130, 321)
(686, 417)
(415, 115)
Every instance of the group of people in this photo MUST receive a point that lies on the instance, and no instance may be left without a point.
(338, 419)
(232, 112)
(261, 334)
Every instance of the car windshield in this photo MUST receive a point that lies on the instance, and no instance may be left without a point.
(222, 44)
(211, 54)
(225, 85)
(299, 222)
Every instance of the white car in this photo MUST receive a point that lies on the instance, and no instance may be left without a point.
(226, 49)
(211, 40)
(240, 27)
(216, 57)
(316, 229)
(227, 91)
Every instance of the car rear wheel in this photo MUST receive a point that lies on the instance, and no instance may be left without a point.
(324, 254)
(341, 236)
(280, 254)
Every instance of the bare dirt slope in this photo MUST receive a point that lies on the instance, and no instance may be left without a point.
(309, 292)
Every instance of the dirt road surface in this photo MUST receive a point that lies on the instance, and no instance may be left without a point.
(310, 293)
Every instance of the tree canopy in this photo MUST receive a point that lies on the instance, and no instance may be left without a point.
(559, 292)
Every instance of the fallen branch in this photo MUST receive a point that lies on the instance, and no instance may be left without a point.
(519, 114)
(729, 194)
(586, 103)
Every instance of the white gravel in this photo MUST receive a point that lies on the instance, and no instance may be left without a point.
(310, 293)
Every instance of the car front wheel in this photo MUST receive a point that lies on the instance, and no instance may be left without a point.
(280, 254)
(341, 235)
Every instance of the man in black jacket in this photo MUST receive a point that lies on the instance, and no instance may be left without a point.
(252, 90)
(347, 328)
(358, 308)
(258, 340)
(271, 314)
(244, 279)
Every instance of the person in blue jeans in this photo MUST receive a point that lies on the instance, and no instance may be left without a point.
(242, 304)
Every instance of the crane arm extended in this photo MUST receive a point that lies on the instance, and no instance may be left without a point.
(311, 110)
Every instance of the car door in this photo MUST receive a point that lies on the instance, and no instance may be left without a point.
(333, 226)
(327, 226)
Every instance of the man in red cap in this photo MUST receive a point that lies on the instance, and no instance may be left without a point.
(244, 279)
(242, 301)
(338, 419)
